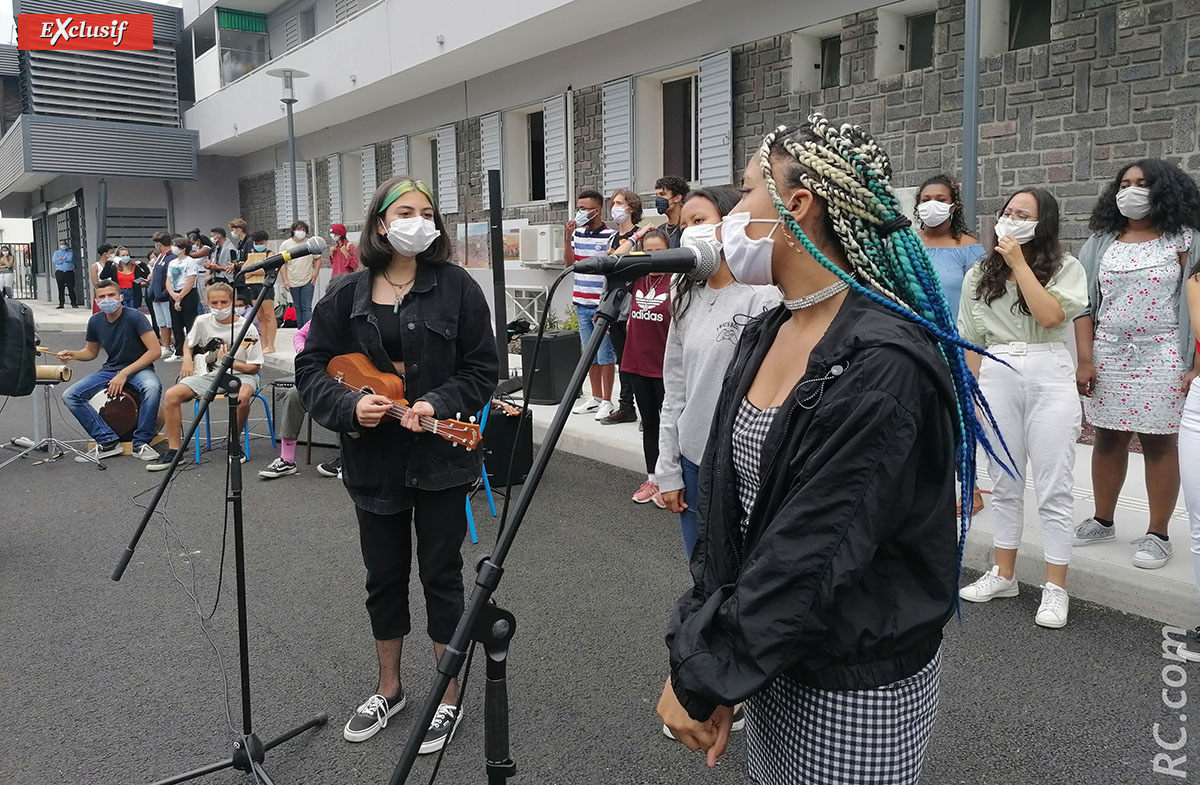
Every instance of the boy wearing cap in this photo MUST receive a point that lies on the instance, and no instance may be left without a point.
(343, 257)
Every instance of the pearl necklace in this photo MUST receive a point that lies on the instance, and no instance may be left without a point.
(809, 300)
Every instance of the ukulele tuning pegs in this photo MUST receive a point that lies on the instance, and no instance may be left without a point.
(472, 418)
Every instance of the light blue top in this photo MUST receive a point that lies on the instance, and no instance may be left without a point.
(63, 260)
(951, 265)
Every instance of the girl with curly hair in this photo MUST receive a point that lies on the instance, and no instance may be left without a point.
(1135, 342)
(827, 560)
(1019, 303)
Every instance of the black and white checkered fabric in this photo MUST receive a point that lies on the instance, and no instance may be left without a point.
(749, 432)
(797, 734)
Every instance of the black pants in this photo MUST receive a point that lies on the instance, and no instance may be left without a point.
(440, 518)
(617, 333)
(183, 319)
(66, 285)
(649, 392)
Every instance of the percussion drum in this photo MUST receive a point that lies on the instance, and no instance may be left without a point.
(120, 413)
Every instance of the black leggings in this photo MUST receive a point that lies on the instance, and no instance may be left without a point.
(183, 319)
(441, 523)
(617, 332)
(649, 393)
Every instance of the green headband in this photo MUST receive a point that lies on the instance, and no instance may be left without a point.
(403, 187)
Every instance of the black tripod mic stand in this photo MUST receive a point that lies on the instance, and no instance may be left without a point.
(483, 620)
(248, 751)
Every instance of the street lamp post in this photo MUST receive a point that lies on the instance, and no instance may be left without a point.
(289, 75)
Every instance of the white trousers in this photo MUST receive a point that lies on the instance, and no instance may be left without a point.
(1037, 409)
(1189, 468)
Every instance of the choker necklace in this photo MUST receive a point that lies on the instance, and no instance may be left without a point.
(809, 300)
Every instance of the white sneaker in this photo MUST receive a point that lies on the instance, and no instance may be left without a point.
(145, 453)
(163, 351)
(1052, 612)
(989, 586)
(100, 453)
(586, 406)
(606, 408)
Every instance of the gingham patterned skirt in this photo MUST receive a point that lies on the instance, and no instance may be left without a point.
(798, 735)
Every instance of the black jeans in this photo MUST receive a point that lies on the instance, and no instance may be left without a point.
(650, 393)
(66, 285)
(440, 518)
(617, 333)
(183, 319)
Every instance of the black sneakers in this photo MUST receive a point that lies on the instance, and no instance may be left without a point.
(162, 462)
(277, 468)
(330, 468)
(372, 716)
(441, 730)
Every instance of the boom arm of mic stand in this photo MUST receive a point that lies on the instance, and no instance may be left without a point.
(492, 568)
(222, 370)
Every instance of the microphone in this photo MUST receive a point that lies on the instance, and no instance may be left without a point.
(697, 262)
(313, 246)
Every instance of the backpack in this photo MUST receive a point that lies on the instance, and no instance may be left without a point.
(18, 347)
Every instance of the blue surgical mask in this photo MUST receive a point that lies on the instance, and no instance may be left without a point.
(109, 306)
(260, 248)
(662, 204)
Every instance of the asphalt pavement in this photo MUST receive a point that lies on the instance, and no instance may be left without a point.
(115, 682)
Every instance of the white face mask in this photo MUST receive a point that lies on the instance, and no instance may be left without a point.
(934, 213)
(583, 217)
(411, 236)
(700, 234)
(1021, 231)
(619, 214)
(1134, 202)
(749, 260)
(299, 234)
(222, 313)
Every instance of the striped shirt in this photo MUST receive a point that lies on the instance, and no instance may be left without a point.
(587, 243)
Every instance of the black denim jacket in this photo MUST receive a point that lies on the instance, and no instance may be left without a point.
(450, 361)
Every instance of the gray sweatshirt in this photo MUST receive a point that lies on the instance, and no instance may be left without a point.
(707, 336)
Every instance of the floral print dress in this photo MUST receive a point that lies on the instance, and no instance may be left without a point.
(1139, 372)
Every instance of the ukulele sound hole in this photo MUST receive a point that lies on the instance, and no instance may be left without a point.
(368, 390)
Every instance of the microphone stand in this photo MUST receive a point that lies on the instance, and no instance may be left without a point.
(248, 751)
(484, 621)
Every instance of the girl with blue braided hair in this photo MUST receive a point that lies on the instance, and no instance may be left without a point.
(828, 555)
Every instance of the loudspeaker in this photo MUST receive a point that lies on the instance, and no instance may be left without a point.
(557, 359)
(498, 439)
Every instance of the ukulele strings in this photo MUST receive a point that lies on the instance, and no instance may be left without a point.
(397, 410)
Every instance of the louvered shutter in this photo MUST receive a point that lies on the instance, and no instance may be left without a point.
(490, 158)
(344, 9)
(291, 32)
(400, 156)
(335, 189)
(715, 120)
(283, 194)
(618, 134)
(554, 126)
(368, 175)
(447, 169)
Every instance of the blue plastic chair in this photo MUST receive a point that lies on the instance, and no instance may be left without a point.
(487, 485)
(245, 429)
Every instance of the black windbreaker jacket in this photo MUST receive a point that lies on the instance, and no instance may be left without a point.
(848, 569)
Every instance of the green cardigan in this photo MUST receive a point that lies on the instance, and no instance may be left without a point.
(1091, 254)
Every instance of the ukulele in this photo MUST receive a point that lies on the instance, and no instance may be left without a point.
(356, 372)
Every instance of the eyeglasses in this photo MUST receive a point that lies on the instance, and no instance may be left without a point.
(1016, 215)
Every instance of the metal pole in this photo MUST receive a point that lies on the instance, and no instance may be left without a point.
(496, 240)
(970, 143)
(292, 156)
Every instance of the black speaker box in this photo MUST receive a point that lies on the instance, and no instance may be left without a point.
(498, 439)
(557, 359)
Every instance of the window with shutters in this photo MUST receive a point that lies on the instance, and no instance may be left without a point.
(344, 9)
(525, 154)
(664, 120)
(400, 156)
(369, 180)
(283, 194)
(808, 50)
(422, 159)
(490, 155)
(334, 162)
(557, 169)
(447, 169)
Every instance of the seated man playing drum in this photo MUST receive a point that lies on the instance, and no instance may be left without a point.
(132, 347)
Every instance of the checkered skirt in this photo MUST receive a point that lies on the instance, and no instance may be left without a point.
(797, 734)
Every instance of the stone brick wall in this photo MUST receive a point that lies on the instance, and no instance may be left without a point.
(256, 200)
